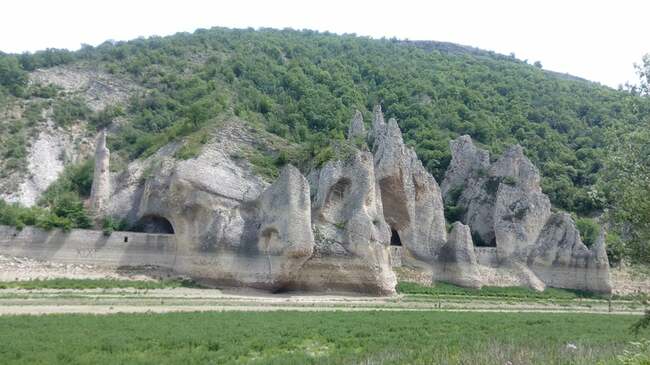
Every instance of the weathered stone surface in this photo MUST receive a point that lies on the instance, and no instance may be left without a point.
(352, 237)
(503, 202)
(47, 154)
(332, 231)
(504, 205)
(411, 197)
(357, 129)
(467, 162)
(101, 188)
(457, 259)
(561, 260)
(285, 225)
(466, 184)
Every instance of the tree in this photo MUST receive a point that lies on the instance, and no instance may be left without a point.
(643, 70)
(12, 76)
(626, 185)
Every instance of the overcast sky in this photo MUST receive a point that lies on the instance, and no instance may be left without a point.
(597, 40)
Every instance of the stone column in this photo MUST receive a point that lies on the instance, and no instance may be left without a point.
(101, 188)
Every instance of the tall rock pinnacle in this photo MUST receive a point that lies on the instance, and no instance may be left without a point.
(101, 188)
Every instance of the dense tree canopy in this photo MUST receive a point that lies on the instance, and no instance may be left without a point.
(304, 86)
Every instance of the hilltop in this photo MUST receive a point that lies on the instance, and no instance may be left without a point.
(302, 87)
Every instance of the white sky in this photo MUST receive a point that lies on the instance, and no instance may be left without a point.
(597, 40)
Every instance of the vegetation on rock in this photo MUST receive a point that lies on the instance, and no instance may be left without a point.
(304, 85)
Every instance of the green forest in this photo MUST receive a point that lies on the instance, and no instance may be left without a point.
(304, 86)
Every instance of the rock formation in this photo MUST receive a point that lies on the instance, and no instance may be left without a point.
(457, 259)
(285, 225)
(357, 129)
(101, 187)
(352, 236)
(334, 230)
(561, 260)
(411, 197)
(504, 206)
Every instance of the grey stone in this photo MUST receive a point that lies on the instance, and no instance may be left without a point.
(357, 129)
(101, 187)
(561, 260)
(352, 237)
(457, 259)
(411, 197)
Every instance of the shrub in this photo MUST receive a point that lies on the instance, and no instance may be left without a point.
(589, 230)
(77, 178)
(509, 180)
(66, 111)
(67, 205)
(110, 224)
(12, 77)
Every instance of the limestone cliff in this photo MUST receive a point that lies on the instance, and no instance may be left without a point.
(334, 230)
(505, 207)
(411, 197)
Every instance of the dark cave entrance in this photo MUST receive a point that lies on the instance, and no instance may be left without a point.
(394, 238)
(479, 242)
(154, 224)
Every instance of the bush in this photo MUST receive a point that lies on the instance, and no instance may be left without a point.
(110, 224)
(589, 230)
(76, 178)
(44, 91)
(12, 77)
(18, 216)
(105, 117)
(69, 110)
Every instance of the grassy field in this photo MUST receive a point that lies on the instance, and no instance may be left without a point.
(315, 338)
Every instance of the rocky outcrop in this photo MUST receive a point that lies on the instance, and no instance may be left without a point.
(285, 226)
(505, 207)
(457, 262)
(561, 260)
(334, 231)
(467, 163)
(521, 209)
(101, 187)
(411, 197)
(351, 234)
(47, 155)
(357, 129)
(502, 202)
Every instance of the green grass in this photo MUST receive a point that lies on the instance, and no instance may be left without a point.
(445, 289)
(314, 338)
(95, 284)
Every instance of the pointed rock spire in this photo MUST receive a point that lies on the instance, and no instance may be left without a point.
(357, 128)
(100, 191)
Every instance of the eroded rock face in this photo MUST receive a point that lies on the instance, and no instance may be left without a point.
(521, 209)
(561, 260)
(351, 235)
(467, 163)
(101, 188)
(411, 197)
(503, 202)
(504, 205)
(284, 211)
(457, 259)
(334, 232)
(48, 153)
(357, 129)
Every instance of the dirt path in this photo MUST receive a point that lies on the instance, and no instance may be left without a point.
(103, 309)
(105, 301)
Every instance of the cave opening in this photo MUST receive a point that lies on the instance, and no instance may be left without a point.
(394, 238)
(154, 224)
